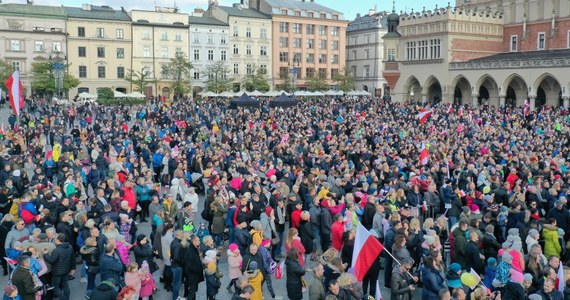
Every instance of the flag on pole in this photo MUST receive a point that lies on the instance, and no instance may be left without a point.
(16, 92)
(450, 109)
(526, 107)
(424, 115)
(560, 281)
(366, 251)
(424, 155)
(460, 112)
(378, 292)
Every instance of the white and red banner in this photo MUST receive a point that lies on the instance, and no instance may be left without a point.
(366, 251)
(424, 155)
(15, 92)
(424, 115)
(378, 292)
(450, 108)
(526, 107)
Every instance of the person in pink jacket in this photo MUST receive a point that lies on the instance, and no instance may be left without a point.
(234, 266)
(133, 278)
(147, 283)
(294, 241)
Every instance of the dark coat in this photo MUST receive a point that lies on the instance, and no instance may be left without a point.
(433, 282)
(490, 246)
(142, 253)
(400, 285)
(104, 291)
(194, 270)
(513, 291)
(459, 242)
(110, 267)
(67, 230)
(368, 215)
(473, 258)
(294, 274)
(22, 279)
(62, 259)
(177, 254)
(306, 235)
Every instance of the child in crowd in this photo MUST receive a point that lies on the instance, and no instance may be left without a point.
(234, 265)
(134, 278)
(147, 282)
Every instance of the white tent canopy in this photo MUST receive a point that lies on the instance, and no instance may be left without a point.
(227, 94)
(271, 94)
(86, 97)
(237, 94)
(119, 94)
(136, 95)
(255, 93)
(207, 94)
(318, 94)
(302, 93)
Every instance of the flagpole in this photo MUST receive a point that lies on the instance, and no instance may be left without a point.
(398, 262)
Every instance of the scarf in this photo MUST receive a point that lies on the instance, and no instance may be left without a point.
(280, 215)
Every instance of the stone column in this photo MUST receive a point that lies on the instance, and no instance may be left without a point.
(502, 101)
(475, 100)
(532, 102)
(424, 98)
(565, 101)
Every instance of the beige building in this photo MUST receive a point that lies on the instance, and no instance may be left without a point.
(309, 39)
(250, 40)
(159, 36)
(31, 33)
(99, 47)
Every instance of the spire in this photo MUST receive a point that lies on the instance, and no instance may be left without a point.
(393, 6)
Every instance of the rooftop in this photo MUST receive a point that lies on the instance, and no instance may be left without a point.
(205, 21)
(97, 12)
(301, 5)
(32, 10)
(530, 55)
(243, 12)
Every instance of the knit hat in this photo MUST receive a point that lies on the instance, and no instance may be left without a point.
(528, 277)
(504, 209)
(507, 257)
(124, 203)
(516, 276)
(560, 232)
(254, 224)
(211, 254)
(517, 245)
(491, 262)
(475, 209)
(145, 266)
(429, 239)
(455, 267)
(533, 232)
(233, 247)
(10, 289)
(514, 231)
(265, 243)
(268, 210)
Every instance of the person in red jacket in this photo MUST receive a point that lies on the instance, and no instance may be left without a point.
(337, 229)
(129, 195)
(296, 214)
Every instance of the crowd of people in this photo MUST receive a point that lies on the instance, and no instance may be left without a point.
(279, 192)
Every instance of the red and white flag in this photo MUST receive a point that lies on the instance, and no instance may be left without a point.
(366, 251)
(526, 107)
(378, 292)
(460, 112)
(16, 92)
(424, 155)
(450, 109)
(560, 281)
(424, 115)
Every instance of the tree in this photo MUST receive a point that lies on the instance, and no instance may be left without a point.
(257, 81)
(140, 79)
(218, 78)
(6, 70)
(43, 78)
(345, 81)
(105, 94)
(178, 70)
(286, 79)
(316, 83)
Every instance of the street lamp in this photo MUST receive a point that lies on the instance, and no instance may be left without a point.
(58, 69)
(294, 70)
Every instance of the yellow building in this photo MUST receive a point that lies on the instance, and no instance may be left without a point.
(99, 48)
(159, 36)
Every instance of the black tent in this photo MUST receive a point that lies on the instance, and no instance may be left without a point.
(283, 101)
(244, 101)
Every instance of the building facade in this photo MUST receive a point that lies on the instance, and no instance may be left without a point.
(365, 51)
(484, 52)
(309, 40)
(31, 33)
(160, 35)
(209, 43)
(250, 41)
(99, 47)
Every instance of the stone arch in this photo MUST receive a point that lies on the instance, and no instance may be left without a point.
(412, 89)
(461, 90)
(515, 87)
(486, 90)
(432, 89)
(548, 90)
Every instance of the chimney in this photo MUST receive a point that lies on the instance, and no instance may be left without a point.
(86, 6)
(371, 12)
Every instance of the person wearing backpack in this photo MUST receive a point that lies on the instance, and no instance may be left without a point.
(269, 265)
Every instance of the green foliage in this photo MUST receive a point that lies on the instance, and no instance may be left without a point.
(218, 78)
(316, 83)
(345, 81)
(105, 94)
(178, 70)
(127, 101)
(286, 82)
(257, 81)
(139, 79)
(6, 70)
(43, 79)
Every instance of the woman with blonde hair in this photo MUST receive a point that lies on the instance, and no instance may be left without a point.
(294, 241)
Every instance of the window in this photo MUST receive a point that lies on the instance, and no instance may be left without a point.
(56, 46)
(210, 39)
(223, 55)
(310, 72)
(335, 30)
(367, 52)
(15, 45)
(284, 56)
(310, 29)
(249, 69)
(146, 35)
(196, 54)
(263, 50)
(248, 49)
(16, 66)
(283, 71)
(366, 71)
(323, 15)
(236, 49)
(263, 69)
(101, 71)
(196, 39)
(335, 17)
(164, 36)
(323, 45)
(297, 28)
(353, 71)
(310, 14)
(263, 33)
(334, 73)
(310, 58)
(283, 27)
(210, 54)
(236, 31)
(236, 68)
(120, 35)
(297, 13)
(541, 41)
(120, 52)
(82, 71)
(164, 52)
(146, 51)
(248, 32)
(223, 40)
(100, 33)
(177, 36)
(297, 57)
(284, 12)
(101, 52)
(310, 43)
(120, 72)
(81, 31)
(322, 30)
(296, 42)
(283, 42)
(39, 46)
(322, 58)
(391, 54)
(354, 54)
(178, 51)
(335, 45)
(196, 75)
(334, 59)
(322, 73)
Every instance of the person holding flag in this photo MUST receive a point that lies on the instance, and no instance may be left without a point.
(403, 284)
(15, 92)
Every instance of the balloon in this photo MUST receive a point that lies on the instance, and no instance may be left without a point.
(469, 280)
(486, 189)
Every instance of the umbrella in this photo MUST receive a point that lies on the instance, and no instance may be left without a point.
(339, 93)
(207, 94)
(352, 93)
(135, 95)
(271, 94)
(119, 94)
(255, 93)
(331, 93)
(226, 94)
(301, 93)
(238, 94)
(366, 93)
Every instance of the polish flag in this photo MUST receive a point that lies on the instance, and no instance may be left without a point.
(450, 109)
(366, 251)
(16, 92)
(378, 292)
(424, 155)
(460, 112)
(526, 107)
(560, 281)
(423, 116)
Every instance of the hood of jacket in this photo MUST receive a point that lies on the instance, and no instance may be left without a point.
(87, 249)
(106, 286)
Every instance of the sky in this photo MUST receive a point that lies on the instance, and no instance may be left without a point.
(349, 8)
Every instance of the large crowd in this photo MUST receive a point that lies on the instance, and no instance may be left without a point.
(278, 193)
